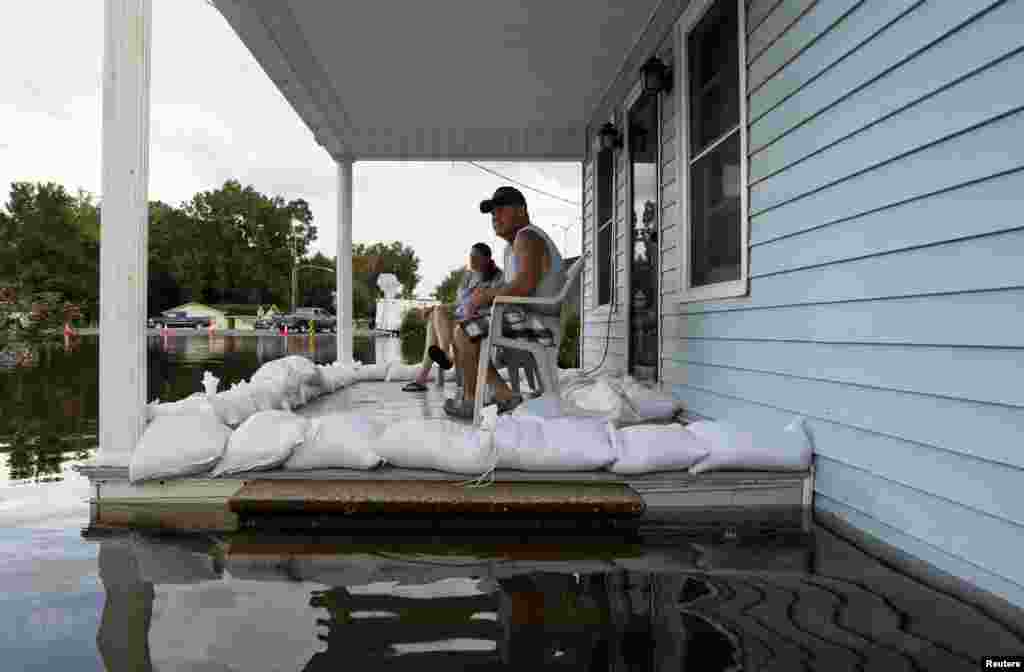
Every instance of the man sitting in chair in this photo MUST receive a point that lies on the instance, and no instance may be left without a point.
(533, 267)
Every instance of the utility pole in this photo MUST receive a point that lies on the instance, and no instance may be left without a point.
(295, 266)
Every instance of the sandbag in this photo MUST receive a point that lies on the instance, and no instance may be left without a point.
(642, 449)
(283, 379)
(196, 403)
(544, 406)
(531, 443)
(600, 396)
(647, 402)
(399, 372)
(369, 372)
(785, 449)
(337, 376)
(179, 445)
(309, 392)
(296, 377)
(424, 443)
(266, 396)
(264, 441)
(342, 440)
(304, 368)
(233, 406)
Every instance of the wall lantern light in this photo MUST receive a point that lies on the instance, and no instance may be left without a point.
(609, 136)
(657, 76)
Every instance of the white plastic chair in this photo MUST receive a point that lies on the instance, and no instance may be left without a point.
(546, 356)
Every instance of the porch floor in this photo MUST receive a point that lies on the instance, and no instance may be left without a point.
(755, 497)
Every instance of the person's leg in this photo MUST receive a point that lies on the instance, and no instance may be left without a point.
(468, 354)
(431, 339)
(444, 327)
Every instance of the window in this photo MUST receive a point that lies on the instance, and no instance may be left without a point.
(605, 180)
(715, 138)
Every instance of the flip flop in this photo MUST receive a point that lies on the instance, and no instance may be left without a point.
(439, 358)
(414, 386)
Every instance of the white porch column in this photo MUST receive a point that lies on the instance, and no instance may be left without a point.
(343, 269)
(125, 224)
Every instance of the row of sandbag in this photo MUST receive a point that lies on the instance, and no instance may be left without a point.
(191, 436)
(282, 384)
(199, 442)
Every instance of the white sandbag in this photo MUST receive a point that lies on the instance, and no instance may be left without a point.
(544, 406)
(649, 403)
(423, 443)
(309, 392)
(342, 440)
(279, 375)
(785, 449)
(531, 443)
(266, 396)
(600, 396)
(304, 368)
(399, 372)
(645, 448)
(264, 441)
(297, 377)
(337, 376)
(233, 406)
(179, 445)
(370, 372)
(196, 403)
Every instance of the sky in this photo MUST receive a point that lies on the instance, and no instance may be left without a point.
(215, 115)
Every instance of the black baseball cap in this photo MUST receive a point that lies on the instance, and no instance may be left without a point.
(503, 196)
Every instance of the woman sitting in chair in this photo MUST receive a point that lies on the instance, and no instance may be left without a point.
(483, 273)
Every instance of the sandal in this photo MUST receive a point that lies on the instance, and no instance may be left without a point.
(414, 386)
(439, 358)
(459, 408)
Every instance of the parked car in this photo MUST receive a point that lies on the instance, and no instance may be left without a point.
(304, 319)
(179, 319)
(266, 322)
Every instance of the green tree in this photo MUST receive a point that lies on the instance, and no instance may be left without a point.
(316, 284)
(47, 245)
(239, 235)
(447, 291)
(370, 260)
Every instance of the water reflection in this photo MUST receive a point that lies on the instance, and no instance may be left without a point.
(248, 601)
(354, 604)
(49, 410)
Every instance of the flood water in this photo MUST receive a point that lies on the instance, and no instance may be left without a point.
(661, 599)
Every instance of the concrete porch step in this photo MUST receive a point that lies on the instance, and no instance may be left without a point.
(434, 498)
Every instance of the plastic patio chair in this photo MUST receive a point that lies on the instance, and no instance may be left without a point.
(546, 356)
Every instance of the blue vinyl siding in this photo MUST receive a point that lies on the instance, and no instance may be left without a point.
(886, 182)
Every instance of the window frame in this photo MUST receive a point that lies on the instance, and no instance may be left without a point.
(627, 229)
(599, 308)
(731, 288)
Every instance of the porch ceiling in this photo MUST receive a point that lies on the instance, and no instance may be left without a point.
(445, 79)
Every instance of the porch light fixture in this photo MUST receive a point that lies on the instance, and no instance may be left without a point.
(609, 136)
(657, 76)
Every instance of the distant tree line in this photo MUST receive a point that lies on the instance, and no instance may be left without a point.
(232, 245)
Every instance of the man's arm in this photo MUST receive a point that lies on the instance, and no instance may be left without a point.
(529, 251)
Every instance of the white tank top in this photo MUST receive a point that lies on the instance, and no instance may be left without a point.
(551, 282)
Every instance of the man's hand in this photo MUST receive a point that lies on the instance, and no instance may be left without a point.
(479, 297)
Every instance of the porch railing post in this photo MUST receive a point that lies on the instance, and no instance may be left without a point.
(125, 223)
(344, 265)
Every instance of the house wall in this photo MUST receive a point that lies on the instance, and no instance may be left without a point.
(885, 305)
